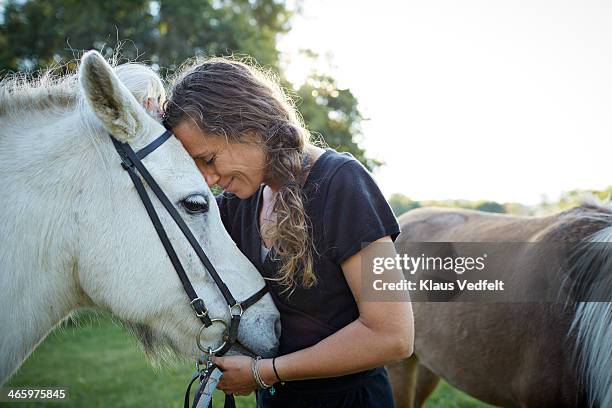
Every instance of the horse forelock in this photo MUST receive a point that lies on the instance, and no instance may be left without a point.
(142, 82)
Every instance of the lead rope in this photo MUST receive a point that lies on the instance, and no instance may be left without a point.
(208, 377)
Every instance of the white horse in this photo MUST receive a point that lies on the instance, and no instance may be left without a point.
(75, 233)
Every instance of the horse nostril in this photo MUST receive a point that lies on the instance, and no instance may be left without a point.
(277, 328)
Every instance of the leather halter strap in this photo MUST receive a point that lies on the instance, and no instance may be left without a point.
(131, 162)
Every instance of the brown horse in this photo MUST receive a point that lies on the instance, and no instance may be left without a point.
(544, 354)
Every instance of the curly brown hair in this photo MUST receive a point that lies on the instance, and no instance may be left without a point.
(232, 99)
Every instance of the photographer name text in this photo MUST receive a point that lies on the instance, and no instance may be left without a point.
(433, 286)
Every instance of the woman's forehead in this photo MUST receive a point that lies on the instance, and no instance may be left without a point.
(198, 142)
(214, 142)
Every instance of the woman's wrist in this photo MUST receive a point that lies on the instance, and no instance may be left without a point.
(266, 371)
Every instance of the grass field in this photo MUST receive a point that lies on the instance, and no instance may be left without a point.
(103, 366)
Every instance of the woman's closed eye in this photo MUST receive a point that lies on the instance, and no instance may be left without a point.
(210, 160)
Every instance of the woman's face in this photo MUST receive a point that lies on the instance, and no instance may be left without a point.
(238, 168)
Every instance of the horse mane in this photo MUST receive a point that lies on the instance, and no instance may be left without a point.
(592, 213)
(25, 93)
(21, 92)
(587, 231)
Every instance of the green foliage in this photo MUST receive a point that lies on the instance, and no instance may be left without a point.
(569, 199)
(490, 206)
(188, 27)
(333, 113)
(103, 366)
(518, 209)
(37, 33)
(400, 204)
(445, 396)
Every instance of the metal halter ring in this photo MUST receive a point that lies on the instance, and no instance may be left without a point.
(240, 309)
(206, 349)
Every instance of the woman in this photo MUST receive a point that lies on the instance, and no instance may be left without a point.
(300, 214)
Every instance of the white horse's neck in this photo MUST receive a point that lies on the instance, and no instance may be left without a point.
(38, 284)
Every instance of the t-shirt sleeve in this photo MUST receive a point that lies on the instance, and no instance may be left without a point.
(356, 212)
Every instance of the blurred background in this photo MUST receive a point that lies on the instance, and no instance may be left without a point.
(497, 106)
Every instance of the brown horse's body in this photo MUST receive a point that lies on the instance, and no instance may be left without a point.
(506, 354)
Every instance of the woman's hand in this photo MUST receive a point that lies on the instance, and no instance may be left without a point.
(237, 375)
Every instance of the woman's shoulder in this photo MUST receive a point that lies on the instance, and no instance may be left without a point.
(332, 166)
(353, 208)
(341, 182)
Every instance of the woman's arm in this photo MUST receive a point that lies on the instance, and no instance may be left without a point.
(384, 332)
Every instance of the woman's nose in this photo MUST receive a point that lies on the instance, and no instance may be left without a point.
(211, 177)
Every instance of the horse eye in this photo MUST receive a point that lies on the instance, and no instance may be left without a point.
(195, 204)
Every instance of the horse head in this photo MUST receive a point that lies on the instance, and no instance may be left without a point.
(129, 271)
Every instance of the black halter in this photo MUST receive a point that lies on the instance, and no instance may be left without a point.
(131, 162)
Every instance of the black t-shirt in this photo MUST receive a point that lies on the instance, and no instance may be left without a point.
(346, 209)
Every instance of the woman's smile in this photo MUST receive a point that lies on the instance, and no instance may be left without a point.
(228, 185)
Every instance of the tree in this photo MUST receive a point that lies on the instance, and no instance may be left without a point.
(333, 113)
(37, 33)
(490, 206)
(330, 111)
(400, 204)
(188, 27)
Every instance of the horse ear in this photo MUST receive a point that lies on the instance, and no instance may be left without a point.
(110, 100)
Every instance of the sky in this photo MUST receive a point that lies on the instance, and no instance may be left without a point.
(509, 101)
